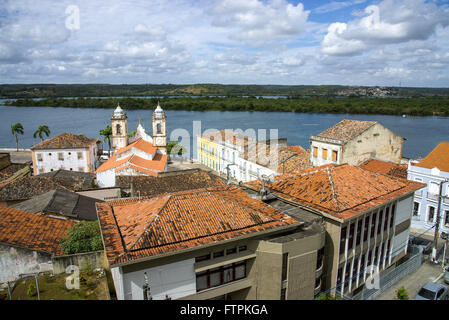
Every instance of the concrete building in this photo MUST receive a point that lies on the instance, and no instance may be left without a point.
(353, 142)
(433, 171)
(213, 243)
(67, 152)
(367, 217)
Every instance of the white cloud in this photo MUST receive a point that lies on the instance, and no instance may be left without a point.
(256, 23)
(387, 23)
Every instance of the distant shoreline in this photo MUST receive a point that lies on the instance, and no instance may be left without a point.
(428, 106)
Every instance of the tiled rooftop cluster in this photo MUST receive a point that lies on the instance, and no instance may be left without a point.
(65, 141)
(339, 190)
(137, 228)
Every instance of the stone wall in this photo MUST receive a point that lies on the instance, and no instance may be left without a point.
(93, 260)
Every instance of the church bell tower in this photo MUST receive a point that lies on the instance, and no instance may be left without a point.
(159, 129)
(119, 122)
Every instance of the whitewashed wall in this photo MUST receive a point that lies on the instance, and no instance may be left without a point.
(175, 280)
(70, 161)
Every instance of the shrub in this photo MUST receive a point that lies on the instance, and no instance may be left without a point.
(402, 294)
(31, 292)
(82, 237)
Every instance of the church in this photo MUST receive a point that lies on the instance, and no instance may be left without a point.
(139, 155)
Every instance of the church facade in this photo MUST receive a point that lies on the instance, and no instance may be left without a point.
(141, 154)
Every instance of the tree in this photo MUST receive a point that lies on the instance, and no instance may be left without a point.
(131, 134)
(177, 148)
(41, 130)
(17, 129)
(82, 237)
(107, 134)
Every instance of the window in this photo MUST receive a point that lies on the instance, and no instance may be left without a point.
(415, 209)
(315, 152)
(373, 224)
(221, 275)
(351, 236)
(218, 254)
(365, 228)
(39, 156)
(118, 129)
(319, 260)
(446, 218)
(324, 154)
(202, 258)
(387, 212)
(392, 215)
(431, 214)
(334, 156)
(231, 251)
(60, 156)
(242, 248)
(70, 153)
(49, 154)
(359, 232)
(342, 239)
(284, 266)
(79, 155)
(379, 225)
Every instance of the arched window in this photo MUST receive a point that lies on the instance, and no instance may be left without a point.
(118, 129)
(158, 128)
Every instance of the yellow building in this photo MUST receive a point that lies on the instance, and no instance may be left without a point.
(208, 152)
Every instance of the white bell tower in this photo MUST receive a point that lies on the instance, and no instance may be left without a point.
(159, 129)
(119, 122)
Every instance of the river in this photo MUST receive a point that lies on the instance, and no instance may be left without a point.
(422, 133)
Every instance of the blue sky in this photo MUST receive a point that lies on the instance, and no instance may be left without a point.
(347, 42)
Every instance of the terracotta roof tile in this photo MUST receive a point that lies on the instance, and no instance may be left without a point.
(339, 190)
(140, 144)
(65, 141)
(437, 158)
(387, 168)
(346, 130)
(134, 228)
(184, 180)
(32, 231)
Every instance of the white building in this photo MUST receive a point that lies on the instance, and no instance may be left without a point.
(353, 142)
(67, 152)
(242, 157)
(140, 156)
(433, 170)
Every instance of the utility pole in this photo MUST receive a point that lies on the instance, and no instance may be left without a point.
(437, 225)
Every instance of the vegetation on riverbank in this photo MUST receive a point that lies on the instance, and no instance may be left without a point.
(428, 106)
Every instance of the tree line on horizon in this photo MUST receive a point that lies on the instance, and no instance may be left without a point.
(428, 106)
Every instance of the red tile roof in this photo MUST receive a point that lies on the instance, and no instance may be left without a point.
(150, 167)
(140, 144)
(134, 229)
(29, 230)
(65, 141)
(387, 168)
(342, 191)
(346, 130)
(438, 157)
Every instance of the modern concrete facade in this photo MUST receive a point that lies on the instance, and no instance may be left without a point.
(354, 142)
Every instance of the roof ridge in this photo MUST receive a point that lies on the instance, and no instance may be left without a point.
(147, 229)
(334, 194)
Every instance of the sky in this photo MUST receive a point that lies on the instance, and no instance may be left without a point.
(309, 42)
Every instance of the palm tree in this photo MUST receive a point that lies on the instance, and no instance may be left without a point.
(17, 129)
(107, 134)
(41, 130)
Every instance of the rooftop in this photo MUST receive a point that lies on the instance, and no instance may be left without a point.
(437, 158)
(28, 187)
(138, 228)
(32, 231)
(63, 202)
(65, 141)
(341, 191)
(346, 130)
(232, 137)
(74, 180)
(387, 168)
(173, 182)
